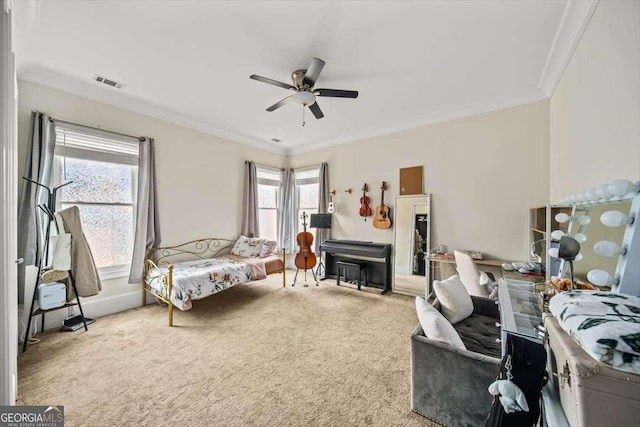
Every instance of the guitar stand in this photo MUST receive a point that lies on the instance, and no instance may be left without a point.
(305, 277)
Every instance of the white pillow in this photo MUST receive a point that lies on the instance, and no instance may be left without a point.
(435, 326)
(455, 302)
(267, 248)
(247, 246)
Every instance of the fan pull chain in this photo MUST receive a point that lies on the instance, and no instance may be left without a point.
(303, 122)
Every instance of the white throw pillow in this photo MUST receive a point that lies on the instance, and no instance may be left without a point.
(267, 248)
(247, 246)
(455, 302)
(435, 326)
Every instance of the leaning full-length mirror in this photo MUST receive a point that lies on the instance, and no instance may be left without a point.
(411, 243)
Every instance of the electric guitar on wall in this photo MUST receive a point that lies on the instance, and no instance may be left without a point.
(382, 219)
(331, 208)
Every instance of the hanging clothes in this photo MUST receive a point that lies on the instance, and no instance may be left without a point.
(83, 267)
(60, 247)
(529, 360)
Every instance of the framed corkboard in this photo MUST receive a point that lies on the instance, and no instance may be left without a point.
(411, 180)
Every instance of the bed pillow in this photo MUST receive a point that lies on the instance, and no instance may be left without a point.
(435, 326)
(247, 246)
(267, 248)
(455, 302)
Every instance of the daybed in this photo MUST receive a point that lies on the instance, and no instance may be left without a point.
(178, 275)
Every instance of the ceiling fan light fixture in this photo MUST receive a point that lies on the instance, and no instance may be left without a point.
(304, 97)
(304, 81)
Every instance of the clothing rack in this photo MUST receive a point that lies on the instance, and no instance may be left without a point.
(49, 209)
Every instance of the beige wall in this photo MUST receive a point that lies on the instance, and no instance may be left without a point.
(484, 173)
(199, 176)
(595, 110)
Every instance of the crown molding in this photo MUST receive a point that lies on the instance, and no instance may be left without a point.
(472, 109)
(117, 99)
(574, 22)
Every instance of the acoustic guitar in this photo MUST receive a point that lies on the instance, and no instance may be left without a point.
(382, 219)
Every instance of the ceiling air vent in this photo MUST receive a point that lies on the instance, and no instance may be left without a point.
(108, 82)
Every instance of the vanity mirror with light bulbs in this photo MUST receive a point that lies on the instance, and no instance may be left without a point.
(412, 240)
(604, 220)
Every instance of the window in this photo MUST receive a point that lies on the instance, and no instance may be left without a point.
(307, 194)
(268, 195)
(306, 198)
(103, 170)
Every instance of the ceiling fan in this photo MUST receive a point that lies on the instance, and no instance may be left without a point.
(303, 86)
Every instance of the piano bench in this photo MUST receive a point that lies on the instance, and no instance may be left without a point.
(347, 266)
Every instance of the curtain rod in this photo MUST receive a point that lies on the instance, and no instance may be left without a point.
(139, 138)
(274, 167)
(265, 166)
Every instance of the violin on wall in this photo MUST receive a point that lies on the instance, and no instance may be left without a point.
(365, 210)
(305, 258)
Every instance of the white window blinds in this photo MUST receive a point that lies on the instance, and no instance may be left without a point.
(94, 144)
(268, 176)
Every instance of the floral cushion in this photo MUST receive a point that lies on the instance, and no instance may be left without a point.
(247, 246)
(267, 248)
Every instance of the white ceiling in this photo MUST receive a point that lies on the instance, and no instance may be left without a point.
(188, 62)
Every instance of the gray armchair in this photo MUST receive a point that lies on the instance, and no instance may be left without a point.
(449, 385)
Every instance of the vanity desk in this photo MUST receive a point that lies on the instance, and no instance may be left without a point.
(442, 266)
(520, 314)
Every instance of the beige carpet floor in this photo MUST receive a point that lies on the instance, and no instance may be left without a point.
(254, 355)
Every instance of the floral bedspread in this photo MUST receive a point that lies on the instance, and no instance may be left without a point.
(194, 280)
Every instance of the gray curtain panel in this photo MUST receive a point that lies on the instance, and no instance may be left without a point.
(38, 167)
(147, 233)
(250, 223)
(322, 234)
(287, 221)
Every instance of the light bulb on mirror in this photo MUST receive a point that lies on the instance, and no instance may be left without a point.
(585, 196)
(557, 234)
(553, 252)
(584, 220)
(579, 257)
(591, 195)
(615, 219)
(608, 248)
(602, 191)
(562, 217)
(580, 237)
(621, 187)
(601, 278)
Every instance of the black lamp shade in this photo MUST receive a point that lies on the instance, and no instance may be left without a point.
(568, 249)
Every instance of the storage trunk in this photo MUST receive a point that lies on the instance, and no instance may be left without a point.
(591, 393)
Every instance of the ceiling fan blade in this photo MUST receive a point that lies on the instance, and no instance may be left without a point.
(279, 104)
(315, 109)
(271, 81)
(336, 93)
(313, 72)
